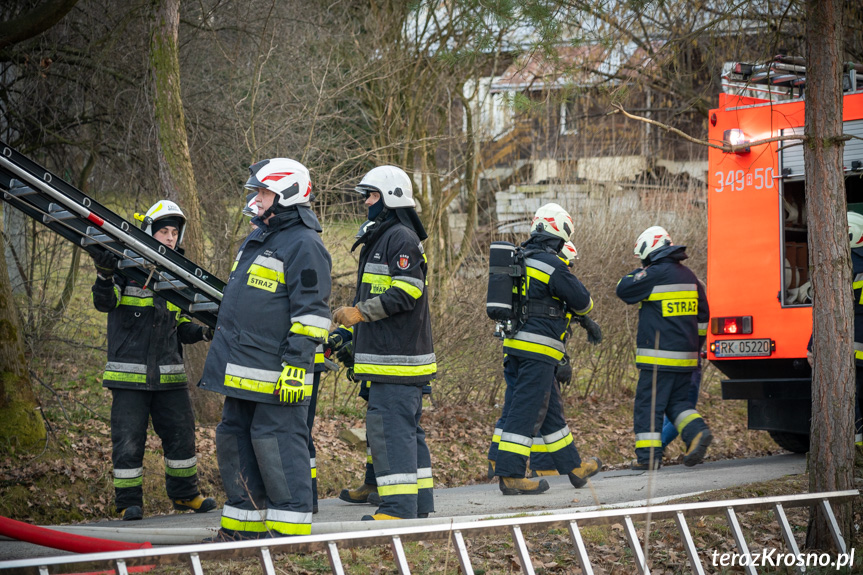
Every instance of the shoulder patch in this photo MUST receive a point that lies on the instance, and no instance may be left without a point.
(640, 275)
(404, 262)
(309, 278)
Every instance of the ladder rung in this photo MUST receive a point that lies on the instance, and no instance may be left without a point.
(170, 284)
(201, 298)
(95, 240)
(21, 192)
(132, 263)
(196, 307)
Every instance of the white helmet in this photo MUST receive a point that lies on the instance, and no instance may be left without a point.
(251, 207)
(553, 220)
(286, 178)
(392, 183)
(855, 229)
(569, 253)
(159, 211)
(650, 240)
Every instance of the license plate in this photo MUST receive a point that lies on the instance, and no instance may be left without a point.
(742, 348)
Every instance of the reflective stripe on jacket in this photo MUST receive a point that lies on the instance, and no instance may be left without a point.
(396, 347)
(144, 336)
(549, 282)
(673, 304)
(857, 270)
(274, 310)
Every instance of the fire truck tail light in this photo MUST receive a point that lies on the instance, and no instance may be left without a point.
(731, 325)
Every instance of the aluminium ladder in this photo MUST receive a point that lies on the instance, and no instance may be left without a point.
(61, 207)
(265, 549)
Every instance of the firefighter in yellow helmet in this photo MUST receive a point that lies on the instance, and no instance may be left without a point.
(146, 376)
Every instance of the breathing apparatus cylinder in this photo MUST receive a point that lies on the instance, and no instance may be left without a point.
(505, 272)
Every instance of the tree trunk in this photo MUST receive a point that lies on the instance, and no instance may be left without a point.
(831, 458)
(177, 178)
(21, 425)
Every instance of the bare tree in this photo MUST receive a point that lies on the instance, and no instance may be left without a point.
(177, 177)
(831, 456)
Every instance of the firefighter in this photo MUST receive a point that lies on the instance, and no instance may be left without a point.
(274, 313)
(146, 376)
(250, 209)
(672, 325)
(392, 340)
(532, 353)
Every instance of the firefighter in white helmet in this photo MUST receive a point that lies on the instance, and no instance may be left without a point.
(274, 313)
(392, 343)
(672, 325)
(146, 376)
(532, 353)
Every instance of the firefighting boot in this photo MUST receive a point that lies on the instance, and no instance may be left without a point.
(636, 466)
(543, 472)
(358, 495)
(133, 513)
(522, 486)
(379, 517)
(588, 468)
(490, 472)
(198, 504)
(697, 448)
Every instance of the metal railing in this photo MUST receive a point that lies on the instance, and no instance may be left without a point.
(332, 543)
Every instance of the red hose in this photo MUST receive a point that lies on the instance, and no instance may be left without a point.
(64, 541)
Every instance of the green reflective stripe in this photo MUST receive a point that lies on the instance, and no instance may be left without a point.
(379, 283)
(266, 273)
(250, 526)
(136, 301)
(586, 310)
(409, 489)
(314, 472)
(133, 482)
(290, 528)
(538, 446)
(412, 291)
(685, 419)
(673, 295)
(172, 378)
(533, 348)
(395, 370)
(233, 267)
(425, 483)
(648, 443)
(538, 275)
(559, 444)
(257, 386)
(368, 458)
(129, 377)
(514, 448)
(319, 358)
(858, 354)
(666, 361)
(185, 472)
(311, 331)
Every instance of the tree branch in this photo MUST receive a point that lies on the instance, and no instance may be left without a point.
(32, 23)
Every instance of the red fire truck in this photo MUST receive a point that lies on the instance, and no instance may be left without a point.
(757, 266)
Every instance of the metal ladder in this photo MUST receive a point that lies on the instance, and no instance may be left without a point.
(193, 555)
(61, 207)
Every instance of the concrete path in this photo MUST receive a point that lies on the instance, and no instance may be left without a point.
(473, 502)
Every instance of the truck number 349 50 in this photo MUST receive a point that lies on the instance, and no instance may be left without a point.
(737, 180)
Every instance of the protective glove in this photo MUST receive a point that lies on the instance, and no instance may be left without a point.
(563, 371)
(105, 263)
(208, 333)
(289, 388)
(348, 316)
(345, 355)
(594, 333)
(337, 339)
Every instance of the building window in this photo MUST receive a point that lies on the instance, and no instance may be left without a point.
(569, 116)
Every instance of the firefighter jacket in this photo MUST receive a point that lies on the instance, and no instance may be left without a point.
(673, 304)
(553, 294)
(274, 311)
(857, 269)
(395, 344)
(144, 337)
